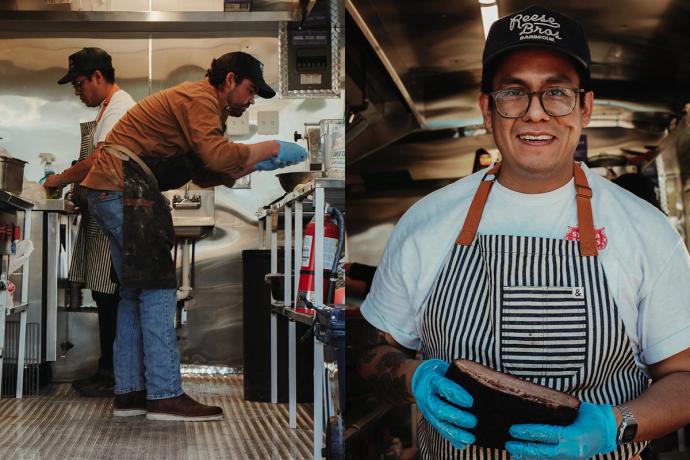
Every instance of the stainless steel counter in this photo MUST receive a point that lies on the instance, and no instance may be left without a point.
(55, 205)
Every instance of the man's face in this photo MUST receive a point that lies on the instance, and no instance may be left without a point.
(86, 87)
(537, 146)
(238, 97)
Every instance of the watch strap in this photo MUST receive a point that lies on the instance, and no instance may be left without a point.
(628, 426)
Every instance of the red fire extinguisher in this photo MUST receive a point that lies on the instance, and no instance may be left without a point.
(306, 275)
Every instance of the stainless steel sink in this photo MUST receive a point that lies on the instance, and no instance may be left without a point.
(193, 211)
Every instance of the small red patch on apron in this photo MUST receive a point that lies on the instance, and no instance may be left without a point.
(600, 239)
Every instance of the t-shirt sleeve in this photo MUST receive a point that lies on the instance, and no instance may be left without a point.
(664, 312)
(389, 306)
(112, 114)
(202, 126)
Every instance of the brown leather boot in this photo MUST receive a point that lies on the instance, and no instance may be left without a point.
(182, 408)
(130, 404)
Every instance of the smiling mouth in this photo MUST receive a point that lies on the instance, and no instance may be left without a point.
(536, 140)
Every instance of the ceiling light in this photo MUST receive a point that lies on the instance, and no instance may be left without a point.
(489, 10)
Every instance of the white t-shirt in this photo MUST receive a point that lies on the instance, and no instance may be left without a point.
(645, 261)
(119, 104)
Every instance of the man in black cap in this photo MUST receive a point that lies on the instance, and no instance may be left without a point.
(92, 76)
(166, 140)
(538, 268)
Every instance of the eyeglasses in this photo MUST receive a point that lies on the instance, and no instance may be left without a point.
(556, 101)
(76, 84)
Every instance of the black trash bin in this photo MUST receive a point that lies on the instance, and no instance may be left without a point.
(256, 306)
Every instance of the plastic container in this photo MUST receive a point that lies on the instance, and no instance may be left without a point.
(312, 132)
(334, 164)
(47, 159)
(333, 147)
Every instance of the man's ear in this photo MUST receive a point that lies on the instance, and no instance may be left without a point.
(485, 107)
(587, 108)
(98, 75)
(230, 80)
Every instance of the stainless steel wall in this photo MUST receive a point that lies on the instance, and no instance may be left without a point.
(37, 115)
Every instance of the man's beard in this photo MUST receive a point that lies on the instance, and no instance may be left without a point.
(234, 110)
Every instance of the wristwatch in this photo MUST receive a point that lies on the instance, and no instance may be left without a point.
(628, 427)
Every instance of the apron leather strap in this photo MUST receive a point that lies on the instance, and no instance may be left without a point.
(583, 194)
(113, 90)
(585, 220)
(125, 154)
(474, 215)
(139, 202)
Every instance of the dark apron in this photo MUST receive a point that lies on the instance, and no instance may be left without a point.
(536, 308)
(148, 235)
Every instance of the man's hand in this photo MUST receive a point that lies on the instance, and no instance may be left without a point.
(592, 433)
(432, 391)
(289, 154)
(53, 182)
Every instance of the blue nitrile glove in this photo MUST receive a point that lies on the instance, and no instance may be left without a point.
(268, 164)
(592, 433)
(428, 386)
(289, 154)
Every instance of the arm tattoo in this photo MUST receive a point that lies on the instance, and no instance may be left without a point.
(381, 366)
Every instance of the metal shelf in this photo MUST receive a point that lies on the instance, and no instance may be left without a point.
(291, 314)
(257, 23)
(16, 308)
(334, 194)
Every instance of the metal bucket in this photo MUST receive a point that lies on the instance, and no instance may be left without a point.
(11, 175)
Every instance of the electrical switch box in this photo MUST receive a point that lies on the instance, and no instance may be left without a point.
(311, 51)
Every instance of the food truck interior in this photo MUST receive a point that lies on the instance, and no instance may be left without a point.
(414, 126)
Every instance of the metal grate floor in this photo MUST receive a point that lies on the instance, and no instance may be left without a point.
(62, 425)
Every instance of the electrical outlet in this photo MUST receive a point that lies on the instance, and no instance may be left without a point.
(267, 122)
(238, 126)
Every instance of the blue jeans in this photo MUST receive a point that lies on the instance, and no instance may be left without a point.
(145, 350)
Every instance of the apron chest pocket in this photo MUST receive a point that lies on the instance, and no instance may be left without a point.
(543, 331)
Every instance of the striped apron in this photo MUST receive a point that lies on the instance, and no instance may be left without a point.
(536, 308)
(91, 257)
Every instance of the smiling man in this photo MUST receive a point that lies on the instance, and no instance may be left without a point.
(164, 141)
(536, 268)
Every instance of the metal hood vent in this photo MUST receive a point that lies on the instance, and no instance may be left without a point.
(429, 56)
(377, 114)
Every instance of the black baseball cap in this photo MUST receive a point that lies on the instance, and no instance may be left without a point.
(85, 62)
(246, 65)
(536, 26)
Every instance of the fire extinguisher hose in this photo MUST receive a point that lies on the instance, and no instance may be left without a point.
(338, 216)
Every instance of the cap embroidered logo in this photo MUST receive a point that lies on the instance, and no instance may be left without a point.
(536, 26)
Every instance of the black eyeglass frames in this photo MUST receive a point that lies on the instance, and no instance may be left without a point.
(556, 101)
